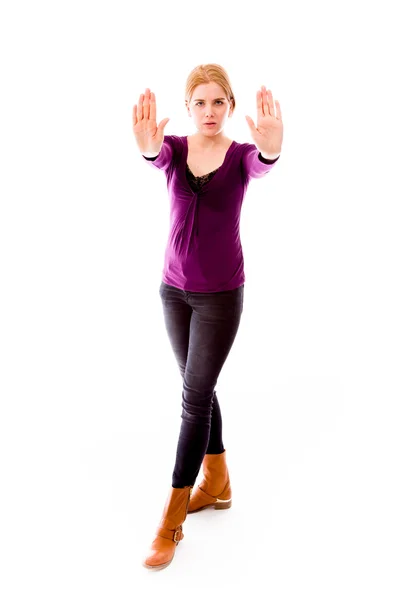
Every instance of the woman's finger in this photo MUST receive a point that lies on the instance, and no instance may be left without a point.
(268, 102)
(135, 119)
(140, 108)
(278, 110)
(260, 110)
(153, 107)
(146, 103)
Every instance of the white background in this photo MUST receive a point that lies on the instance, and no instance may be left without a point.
(90, 391)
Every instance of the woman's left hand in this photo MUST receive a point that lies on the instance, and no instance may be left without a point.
(268, 134)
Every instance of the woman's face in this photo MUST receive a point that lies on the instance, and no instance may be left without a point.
(209, 104)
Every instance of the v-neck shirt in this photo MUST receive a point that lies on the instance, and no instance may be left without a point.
(204, 250)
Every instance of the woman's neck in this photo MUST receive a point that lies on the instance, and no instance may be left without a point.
(206, 143)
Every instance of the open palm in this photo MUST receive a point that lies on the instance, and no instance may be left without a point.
(268, 134)
(148, 136)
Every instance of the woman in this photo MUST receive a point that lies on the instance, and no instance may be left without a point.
(203, 278)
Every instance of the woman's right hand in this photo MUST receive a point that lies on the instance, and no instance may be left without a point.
(149, 137)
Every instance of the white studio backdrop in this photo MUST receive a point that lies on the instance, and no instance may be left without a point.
(90, 391)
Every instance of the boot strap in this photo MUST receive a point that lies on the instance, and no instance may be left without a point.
(206, 495)
(171, 534)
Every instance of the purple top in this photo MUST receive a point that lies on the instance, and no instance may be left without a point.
(204, 250)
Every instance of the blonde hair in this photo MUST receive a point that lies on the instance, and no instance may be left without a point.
(207, 74)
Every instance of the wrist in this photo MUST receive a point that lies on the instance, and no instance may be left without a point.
(269, 156)
(150, 154)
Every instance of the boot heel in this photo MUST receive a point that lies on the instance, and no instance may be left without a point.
(222, 504)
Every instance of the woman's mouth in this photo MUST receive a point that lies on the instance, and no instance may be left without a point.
(209, 124)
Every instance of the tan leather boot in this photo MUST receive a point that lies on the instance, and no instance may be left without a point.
(169, 532)
(215, 489)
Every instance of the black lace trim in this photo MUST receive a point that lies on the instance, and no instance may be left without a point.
(198, 182)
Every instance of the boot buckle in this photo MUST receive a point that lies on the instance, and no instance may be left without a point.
(177, 534)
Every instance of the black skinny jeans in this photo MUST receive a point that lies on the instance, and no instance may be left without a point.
(201, 328)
